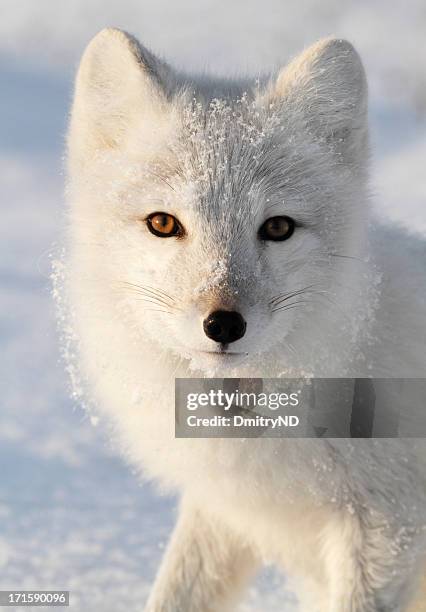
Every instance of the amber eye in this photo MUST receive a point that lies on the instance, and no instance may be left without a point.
(277, 228)
(164, 225)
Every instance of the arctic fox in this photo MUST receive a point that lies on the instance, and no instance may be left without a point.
(222, 228)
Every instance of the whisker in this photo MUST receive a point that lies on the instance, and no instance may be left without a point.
(150, 301)
(149, 288)
(284, 297)
(161, 307)
(160, 291)
(157, 310)
(154, 309)
(288, 306)
(346, 257)
(150, 295)
(158, 294)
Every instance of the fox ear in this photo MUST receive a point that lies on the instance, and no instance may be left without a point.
(118, 84)
(326, 88)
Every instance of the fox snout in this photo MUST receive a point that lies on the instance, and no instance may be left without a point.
(224, 326)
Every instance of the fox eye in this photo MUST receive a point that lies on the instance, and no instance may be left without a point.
(277, 228)
(164, 225)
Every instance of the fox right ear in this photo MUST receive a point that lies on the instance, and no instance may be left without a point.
(118, 85)
(325, 88)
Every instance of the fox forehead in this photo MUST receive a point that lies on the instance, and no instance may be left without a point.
(237, 158)
(235, 153)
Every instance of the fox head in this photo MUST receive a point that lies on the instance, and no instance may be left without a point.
(219, 220)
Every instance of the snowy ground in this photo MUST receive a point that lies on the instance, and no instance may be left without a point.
(72, 516)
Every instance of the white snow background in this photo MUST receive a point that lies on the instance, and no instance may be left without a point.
(72, 516)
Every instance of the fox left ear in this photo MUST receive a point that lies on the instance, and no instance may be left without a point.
(119, 83)
(325, 88)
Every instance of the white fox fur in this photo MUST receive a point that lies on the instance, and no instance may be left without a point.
(344, 518)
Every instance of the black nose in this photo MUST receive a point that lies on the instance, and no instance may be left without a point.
(224, 326)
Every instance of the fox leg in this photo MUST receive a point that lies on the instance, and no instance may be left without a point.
(368, 568)
(204, 568)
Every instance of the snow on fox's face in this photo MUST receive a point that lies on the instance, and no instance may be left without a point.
(224, 243)
(216, 226)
